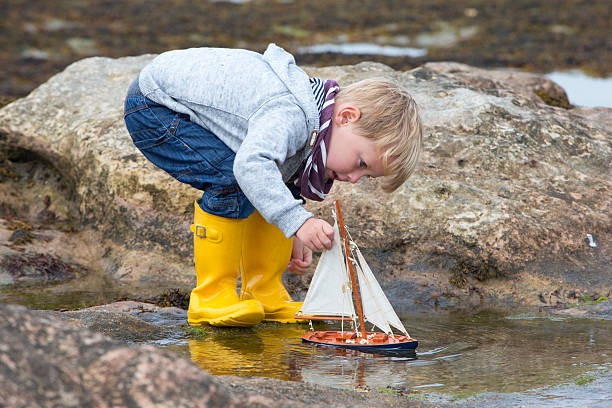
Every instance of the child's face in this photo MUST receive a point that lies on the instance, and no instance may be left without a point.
(349, 155)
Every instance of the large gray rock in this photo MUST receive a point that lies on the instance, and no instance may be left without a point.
(133, 219)
(499, 209)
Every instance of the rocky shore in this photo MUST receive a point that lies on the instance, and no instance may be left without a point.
(509, 205)
(497, 214)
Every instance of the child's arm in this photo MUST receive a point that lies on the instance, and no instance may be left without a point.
(316, 234)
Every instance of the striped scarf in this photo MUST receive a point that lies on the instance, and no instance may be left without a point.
(312, 181)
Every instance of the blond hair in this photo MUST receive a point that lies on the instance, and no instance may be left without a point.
(390, 117)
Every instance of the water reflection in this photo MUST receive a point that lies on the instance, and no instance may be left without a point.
(266, 351)
(343, 368)
(364, 49)
(584, 90)
(457, 354)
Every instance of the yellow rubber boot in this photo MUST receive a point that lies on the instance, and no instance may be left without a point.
(265, 256)
(217, 245)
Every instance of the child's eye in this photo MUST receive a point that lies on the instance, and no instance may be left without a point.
(363, 164)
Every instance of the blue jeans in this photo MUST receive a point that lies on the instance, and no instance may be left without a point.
(188, 152)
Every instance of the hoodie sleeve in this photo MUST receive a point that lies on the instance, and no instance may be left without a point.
(276, 132)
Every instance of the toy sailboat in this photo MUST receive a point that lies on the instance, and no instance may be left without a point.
(344, 288)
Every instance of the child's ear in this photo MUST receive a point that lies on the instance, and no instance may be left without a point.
(348, 114)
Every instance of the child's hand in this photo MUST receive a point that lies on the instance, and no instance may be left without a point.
(301, 257)
(316, 234)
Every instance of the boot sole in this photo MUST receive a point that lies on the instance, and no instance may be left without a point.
(237, 320)
(283, 314)
(288, 321)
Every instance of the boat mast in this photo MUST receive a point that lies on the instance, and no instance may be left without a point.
(351, 272)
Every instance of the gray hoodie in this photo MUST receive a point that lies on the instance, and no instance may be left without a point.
(261, 106)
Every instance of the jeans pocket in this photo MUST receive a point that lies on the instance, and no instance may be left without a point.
(133, 103)
(150, 126)
(226, 201)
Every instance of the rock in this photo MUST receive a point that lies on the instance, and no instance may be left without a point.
(536, 88)
(32, 269)
(47, 362)
(129, 321)
(599, 310)
(596, 115)
(497, 212)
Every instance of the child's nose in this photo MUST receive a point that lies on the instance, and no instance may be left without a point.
(354, 177)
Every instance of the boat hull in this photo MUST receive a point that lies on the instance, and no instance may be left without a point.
(376, 341)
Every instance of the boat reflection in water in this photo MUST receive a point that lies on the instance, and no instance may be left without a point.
(345, 368)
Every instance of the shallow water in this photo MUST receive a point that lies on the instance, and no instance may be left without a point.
(457, 354)
(584, 90)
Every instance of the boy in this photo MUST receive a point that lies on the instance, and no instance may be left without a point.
(255, 133)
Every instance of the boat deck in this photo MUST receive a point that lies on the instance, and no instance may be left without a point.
(351, 339)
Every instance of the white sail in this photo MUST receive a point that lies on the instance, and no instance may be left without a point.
(376, 307)
(329, 293)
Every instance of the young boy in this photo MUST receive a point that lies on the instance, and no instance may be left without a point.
(255, 133)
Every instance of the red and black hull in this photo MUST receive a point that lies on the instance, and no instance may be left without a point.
(376, 342)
